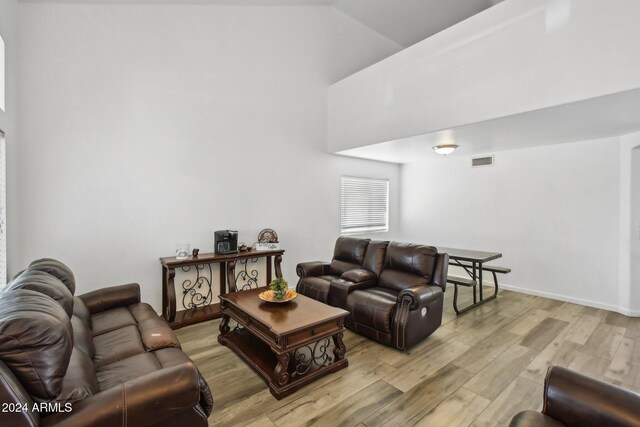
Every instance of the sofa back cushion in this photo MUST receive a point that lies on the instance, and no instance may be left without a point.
(82, 336)
(57, 269)
(407, 265)
(412, 258)
(348, 254)
(350, 249)
(81, 310)
(35, 341)
(375, 255)
(44, 283)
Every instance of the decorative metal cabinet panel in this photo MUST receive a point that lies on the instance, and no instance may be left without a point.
(190, 287)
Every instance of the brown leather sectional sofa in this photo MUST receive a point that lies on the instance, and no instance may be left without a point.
(98, 359)
(393, 291)
(574, 400)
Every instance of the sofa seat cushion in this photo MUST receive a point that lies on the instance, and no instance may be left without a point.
(111, 320)
(316, 287)
(80, 380)
(372, 307)
(127, 369)
(117, 345)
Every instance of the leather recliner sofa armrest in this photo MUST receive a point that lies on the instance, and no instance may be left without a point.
(359, 275)
(144, 401)
(576, 400)
(313, 268)
(340, 289)
(441, 271)
(111, 297)
(421, 295)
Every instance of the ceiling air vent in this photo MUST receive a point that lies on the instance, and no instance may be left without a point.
(482, 161)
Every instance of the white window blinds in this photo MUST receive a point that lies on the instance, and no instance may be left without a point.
(364, 205)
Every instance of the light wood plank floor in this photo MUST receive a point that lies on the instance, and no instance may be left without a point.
(478, 369)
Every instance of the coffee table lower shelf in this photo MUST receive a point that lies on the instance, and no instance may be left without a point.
(264, 361)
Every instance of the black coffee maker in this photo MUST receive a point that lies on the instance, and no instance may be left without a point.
(225, 241)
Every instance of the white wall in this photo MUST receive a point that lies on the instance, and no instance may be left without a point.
(517, 56)
(8, 117)
(146, 126)
(552, 211)
(635, 230)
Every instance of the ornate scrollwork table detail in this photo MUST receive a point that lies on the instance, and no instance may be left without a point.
(246, 278)
(280, 374)
(197, 293)
(313, 354)
(224, 325)
(339, 349)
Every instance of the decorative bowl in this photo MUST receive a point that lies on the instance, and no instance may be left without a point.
(268, 296)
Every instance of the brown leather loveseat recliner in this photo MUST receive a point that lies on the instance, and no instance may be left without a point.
(100, 359)
(575, 400)
(392, 291)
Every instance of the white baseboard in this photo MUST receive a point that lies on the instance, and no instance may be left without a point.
(581, 301)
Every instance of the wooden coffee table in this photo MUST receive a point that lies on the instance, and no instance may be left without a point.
(289, 344)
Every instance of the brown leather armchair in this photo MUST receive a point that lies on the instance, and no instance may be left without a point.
(574, 400)
(100, 359)
(394, 296)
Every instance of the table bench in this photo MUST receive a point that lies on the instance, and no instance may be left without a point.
(473, 264)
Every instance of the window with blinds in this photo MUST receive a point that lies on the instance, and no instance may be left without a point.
(364, 205)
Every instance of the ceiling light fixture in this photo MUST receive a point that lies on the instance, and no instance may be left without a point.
(444, 149)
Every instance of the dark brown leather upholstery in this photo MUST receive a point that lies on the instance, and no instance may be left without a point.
(45, 284)
(350, 249)
(36, 341)
(111, 297)
(315, 277)
(395, 294)
(106, 354)
(56, 269)
(572, 400)
(374, 257)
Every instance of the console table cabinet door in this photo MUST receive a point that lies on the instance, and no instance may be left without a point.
(232, 267)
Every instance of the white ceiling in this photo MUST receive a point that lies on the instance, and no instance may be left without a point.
(406, 22)
(606, 116)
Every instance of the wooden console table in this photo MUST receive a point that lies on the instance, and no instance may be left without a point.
(197, 294)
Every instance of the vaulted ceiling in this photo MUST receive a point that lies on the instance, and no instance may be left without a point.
(407, 22)
(404, 21)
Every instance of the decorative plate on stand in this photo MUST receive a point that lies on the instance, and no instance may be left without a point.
(268, 236)
(268, 296)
